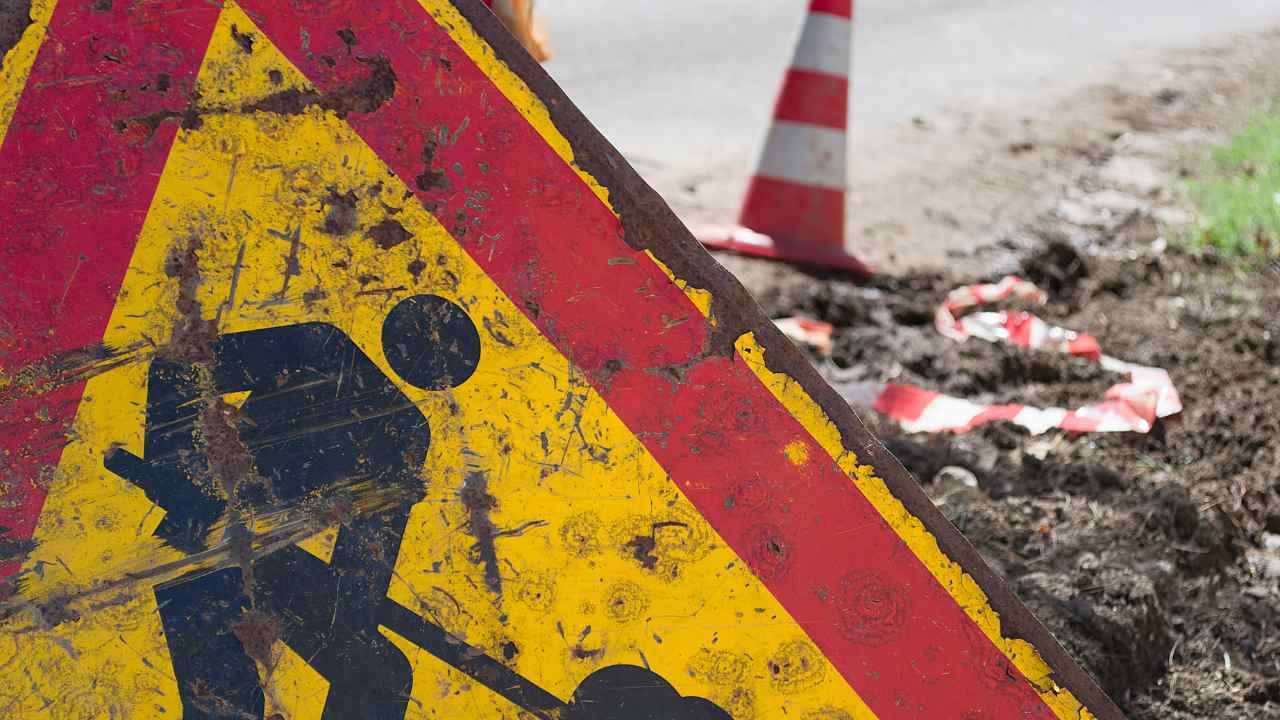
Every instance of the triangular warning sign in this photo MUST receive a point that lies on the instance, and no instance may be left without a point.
(350, 374)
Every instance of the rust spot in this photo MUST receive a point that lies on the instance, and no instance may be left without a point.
(230, 460)
(416, 267)
(190, 118)
(258, 632)
(641, 548)
(872, 610)
(644, 547)
(275, 76)
(479, 503)
(611, 367)
(537, 591)
(230, 463)
(59, 611)
(739, 702)
(384, 291)
(751, 496)
(244, 40)
(625, 602)
(720, 667)
(795, 667)
(313, 295)
(364, 95)
(495, 333)
(829, 713)
(193, 336)
(430, 178)
(769, 553)
(388, 234)
(348, 37)
(12, 550)
(578, 652)
(580, 534)
(460, 223)
(342, 217)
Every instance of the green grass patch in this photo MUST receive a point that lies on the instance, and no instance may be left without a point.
(1239, 195)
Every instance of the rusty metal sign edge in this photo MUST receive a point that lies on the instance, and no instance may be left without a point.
(651, 225)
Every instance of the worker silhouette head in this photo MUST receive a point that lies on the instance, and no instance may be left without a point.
(430, 342)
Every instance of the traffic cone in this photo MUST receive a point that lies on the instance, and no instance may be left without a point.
(517, 16)
(794, 206)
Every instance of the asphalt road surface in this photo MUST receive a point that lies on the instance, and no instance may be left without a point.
(684, 87)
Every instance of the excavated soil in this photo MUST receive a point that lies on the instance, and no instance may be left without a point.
(1146, 555)
(1155, 559)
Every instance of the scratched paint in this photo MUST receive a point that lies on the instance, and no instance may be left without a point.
(547, 538)
(568, 478)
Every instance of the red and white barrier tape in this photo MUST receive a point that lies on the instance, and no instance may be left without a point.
(808, 331)
(1131, 406)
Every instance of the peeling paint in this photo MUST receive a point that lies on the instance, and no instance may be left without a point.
(479, 503)
(394, 385)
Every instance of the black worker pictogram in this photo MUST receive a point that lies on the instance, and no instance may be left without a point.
(321, 417)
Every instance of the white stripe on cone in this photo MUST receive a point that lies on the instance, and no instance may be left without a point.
(824, 45)
(804, 154)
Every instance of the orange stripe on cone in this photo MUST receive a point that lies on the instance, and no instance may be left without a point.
(794, 206)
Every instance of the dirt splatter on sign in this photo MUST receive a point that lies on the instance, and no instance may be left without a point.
(349, 373)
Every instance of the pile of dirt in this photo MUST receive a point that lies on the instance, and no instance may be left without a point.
(1148, 556)
(1155, 559)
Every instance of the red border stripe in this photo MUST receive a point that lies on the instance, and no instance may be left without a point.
(803, 216)
(814, 98)
(535, 228)
(74, 192)
(842, 8)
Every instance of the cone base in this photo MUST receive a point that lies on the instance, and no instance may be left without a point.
(745, 241)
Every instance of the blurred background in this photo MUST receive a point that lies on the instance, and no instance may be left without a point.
(685, 89)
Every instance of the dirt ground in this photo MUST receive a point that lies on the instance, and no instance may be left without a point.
(1155, 559)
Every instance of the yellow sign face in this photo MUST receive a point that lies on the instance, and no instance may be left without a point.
(397, 405)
